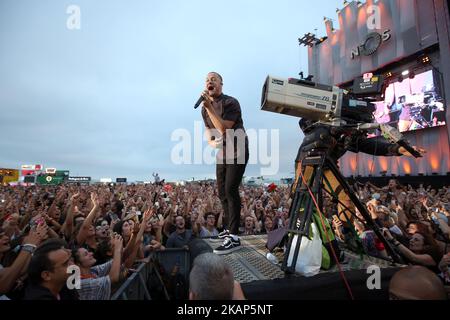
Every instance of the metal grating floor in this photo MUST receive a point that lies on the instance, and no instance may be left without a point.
(249, 263)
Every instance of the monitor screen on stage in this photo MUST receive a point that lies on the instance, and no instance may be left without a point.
(413, 103)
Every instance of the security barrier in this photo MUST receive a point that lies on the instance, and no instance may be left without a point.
(164, 277)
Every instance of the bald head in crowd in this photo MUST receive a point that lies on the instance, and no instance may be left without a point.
(211, 278)
(416, 283)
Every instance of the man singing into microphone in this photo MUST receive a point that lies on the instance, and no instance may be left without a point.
(225, 130)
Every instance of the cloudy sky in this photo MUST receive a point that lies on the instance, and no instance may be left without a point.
(104, 100)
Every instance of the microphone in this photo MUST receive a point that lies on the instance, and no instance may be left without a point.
(200, 100)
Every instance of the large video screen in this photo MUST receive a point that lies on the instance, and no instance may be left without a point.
(412, 104)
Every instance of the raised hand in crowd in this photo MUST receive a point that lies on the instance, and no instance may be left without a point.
(87, 230)
(9, 275)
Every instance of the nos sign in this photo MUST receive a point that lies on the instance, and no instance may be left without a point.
(371, 44)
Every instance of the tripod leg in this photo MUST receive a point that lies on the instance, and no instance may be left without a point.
(333, 187)
(301, 211)
(316, 191)
(300, 200)
(344, 214)
(300, 194)
(297, 235)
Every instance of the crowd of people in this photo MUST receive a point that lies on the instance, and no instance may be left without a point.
(415, 222)
(105, 230)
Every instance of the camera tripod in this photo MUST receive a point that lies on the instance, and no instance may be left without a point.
(313, 169)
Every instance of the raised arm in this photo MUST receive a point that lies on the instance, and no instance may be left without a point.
(82, 234)
(52, 222)
(67, 226)
(256, 222)
(9, 275)
(26, 218)
(138, 239)
(422, 259)
(168, 222)
(114, 273)
(158, 228)
(219, 123)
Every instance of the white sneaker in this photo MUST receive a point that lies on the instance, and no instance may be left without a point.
(230, 244)
(224, 234)
(221, 236)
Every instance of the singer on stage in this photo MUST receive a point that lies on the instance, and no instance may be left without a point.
(225, 130)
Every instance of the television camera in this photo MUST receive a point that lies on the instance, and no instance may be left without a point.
(330, 105)
(347, 114)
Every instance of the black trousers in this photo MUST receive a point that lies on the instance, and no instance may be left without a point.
(229, 177)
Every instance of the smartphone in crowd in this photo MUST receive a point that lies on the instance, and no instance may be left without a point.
(37, 222)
